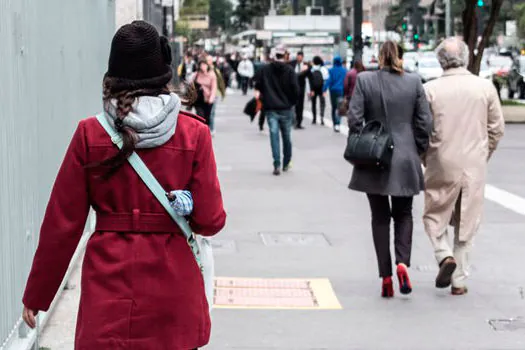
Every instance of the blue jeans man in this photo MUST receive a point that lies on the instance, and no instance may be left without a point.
(335, 97)
(282, 121)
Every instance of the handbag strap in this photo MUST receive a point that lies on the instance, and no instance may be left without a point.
(382, 97)
(147, 177)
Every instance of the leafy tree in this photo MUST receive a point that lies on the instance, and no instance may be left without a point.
(195, 7)
(520, 19)
(396, 14)
(470, 31)
(220, 14)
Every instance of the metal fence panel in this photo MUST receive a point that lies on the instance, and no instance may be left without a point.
(53, 55)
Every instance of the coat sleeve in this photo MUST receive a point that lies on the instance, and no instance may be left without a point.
(62, 227)
(208, 216)
(356, 113)
(422, 119)
(258, 80)
(347, 85)
(220, 83)
(295, 86)
(495, 122)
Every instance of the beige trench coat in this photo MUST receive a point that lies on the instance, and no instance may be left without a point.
(468, 123)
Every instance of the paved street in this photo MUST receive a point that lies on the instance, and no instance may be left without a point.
(313, 201)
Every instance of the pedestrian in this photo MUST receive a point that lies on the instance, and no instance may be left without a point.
(221, 89)
(351, 79)
(335, 84)
(396, 99)
(138, 270)
(205, 82)
(302, 72)
(226, 71)
(468, 124)
(278, 88)
(316, 80)
(246, 72)
(187, 68)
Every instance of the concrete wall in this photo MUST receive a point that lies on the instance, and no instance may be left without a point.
(128, 11)
(53, 55)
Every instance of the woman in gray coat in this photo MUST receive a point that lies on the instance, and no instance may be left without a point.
(406, 115)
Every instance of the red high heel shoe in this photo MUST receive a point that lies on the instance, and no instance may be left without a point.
(405, 287)
(387, 290)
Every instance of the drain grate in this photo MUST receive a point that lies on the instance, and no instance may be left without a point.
(260, 293)
(294, 239)
(508, 325)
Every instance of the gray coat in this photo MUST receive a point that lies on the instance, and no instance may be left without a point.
(409, 121)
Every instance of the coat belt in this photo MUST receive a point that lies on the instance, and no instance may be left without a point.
(136, 222)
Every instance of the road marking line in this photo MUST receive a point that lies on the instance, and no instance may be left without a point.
(494, 194)
(505, 199)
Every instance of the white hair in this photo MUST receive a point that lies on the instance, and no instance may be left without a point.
(453, 53)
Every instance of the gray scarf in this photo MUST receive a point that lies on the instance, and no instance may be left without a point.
(153, 118)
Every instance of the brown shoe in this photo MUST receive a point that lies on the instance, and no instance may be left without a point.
(459, 291)
(446, 269)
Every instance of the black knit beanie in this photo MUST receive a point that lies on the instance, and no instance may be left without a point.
(139, 58)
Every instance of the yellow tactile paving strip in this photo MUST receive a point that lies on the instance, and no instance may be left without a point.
(273, 293)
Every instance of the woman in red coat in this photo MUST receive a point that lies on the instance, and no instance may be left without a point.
(141, 286)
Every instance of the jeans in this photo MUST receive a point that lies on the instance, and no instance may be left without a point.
(281, 121)
(382, 213)
(212, 115)
(314, 105)
(335, 97)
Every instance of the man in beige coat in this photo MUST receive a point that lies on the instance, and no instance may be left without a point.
(468, 123)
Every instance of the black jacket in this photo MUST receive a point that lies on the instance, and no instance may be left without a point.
(278, 85)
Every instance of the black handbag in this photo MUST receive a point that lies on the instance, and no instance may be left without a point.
(372, 147)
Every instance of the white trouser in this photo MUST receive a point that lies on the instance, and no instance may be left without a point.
(442, 250)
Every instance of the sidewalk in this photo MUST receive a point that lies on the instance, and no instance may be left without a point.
(329, 238)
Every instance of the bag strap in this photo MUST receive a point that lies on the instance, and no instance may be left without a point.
(383, 102)
(147, 177)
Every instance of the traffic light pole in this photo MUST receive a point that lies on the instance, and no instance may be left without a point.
(358, 36)
(168, 30)
(447, 18)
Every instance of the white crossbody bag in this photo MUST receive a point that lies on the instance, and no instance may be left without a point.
(200, 246)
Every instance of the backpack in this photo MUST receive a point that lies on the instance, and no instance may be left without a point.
(317, 82)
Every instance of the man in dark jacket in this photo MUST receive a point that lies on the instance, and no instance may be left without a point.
(278, 88)
(302, 72)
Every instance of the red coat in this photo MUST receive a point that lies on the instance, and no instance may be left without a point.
(140, 290)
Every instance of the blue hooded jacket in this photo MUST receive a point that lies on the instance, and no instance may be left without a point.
(336, 78)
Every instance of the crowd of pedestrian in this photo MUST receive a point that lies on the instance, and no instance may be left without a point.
(404, 138)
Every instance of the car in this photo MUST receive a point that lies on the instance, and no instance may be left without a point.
(409, 65)
(428, 54)
(411, 56)
(429, 69)
(516, 78)
(500, 65)
(484, 71)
